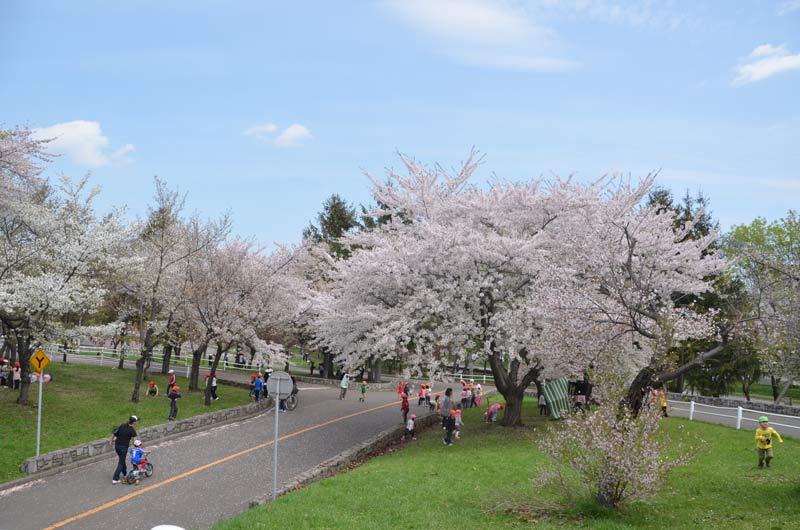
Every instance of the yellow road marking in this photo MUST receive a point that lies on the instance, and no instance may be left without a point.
(191, 472)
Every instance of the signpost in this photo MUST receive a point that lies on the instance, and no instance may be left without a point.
(279, 386)
(39, 361)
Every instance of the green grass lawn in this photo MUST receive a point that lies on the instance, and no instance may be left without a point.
(483, 481)
(84, 403)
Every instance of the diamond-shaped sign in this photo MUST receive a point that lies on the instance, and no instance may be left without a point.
(39, 361)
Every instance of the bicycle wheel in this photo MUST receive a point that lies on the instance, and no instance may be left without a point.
(131, 478)
(148, 470)
(291, 402)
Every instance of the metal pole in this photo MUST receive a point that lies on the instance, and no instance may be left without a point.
(276, 405)
(691, 410)
(738, 418)
(39, 416)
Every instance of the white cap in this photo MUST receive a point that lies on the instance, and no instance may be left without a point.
(137, 443)
(171, 372)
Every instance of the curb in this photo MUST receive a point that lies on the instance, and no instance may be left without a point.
(334, 464)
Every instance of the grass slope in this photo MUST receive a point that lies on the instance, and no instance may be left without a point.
(483, 482)
(83, 403)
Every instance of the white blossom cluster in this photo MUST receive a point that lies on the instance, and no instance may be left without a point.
(540, 276)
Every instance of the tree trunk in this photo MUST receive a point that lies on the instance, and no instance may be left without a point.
(327, 365)
(512, 414)
(194, 373)
(374, 373)
(511, 387)
(167, 358)
(648, 377)
(141, 362)
(638, 389)
(775, 382)
(607, 494)
(24, 353)
(679, 382)
(121, 363)
(782, 393)
(212, 374)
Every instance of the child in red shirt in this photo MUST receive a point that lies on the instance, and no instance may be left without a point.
(404, 406)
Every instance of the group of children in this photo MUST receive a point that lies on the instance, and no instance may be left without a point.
(173, 394)
(471, 394)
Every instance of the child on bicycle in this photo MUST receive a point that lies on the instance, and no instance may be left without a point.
(137, 453)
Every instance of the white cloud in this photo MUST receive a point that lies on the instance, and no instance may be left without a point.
(482, 33)
(261, 131)
(766, 61)
(788, 6)
(636, 14)
(83, 141)
(291, 136)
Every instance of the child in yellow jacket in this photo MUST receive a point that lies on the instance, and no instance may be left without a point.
(764, 435)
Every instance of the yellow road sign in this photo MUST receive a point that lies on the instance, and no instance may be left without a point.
(39, 360)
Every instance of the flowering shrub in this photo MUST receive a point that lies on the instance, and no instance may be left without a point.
(615, 455)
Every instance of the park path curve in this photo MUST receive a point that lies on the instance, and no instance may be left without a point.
(202, 478)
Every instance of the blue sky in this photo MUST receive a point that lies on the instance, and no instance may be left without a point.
(267, 108)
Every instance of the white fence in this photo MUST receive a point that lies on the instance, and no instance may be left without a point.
(739, 414)
(105, 356)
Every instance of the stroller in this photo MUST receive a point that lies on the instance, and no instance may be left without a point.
(143, 467)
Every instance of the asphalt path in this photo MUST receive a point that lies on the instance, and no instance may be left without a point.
(786, 425)
(202, 478)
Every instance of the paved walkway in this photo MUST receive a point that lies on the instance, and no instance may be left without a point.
(202, 478)
(788, 425)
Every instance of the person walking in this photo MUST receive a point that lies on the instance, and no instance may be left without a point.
(120, 439)
(764, 434)
(344, 384)
(404, 406)
(363, 397)
(449, 427)
(173, 396)
(447, 406)
(258, 386)
(16, 375)
(214, 395)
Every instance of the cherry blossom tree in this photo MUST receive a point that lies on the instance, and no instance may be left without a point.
(53, 247)
(238, 295)
(159, 260)
(541, 277)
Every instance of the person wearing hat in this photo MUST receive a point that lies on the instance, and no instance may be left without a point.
(449, 427)
(16, 375)
(363, 397)
(404, 407)
(764, 434)
(172, 380)
(173, 396)
(120, 439)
